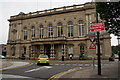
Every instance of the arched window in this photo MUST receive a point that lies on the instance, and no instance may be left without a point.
(41, 31)
(60, 29)
(25, 34)
(50, 30)
(81, 28)
(70, 29)
(33, 32)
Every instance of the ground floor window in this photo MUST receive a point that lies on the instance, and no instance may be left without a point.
(82, 51)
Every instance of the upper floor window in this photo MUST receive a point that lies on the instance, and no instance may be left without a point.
(60, 29)
(70, 29)
(81, 28)
(33, 32)
(41, 31)
(25, 34)
(50, 30)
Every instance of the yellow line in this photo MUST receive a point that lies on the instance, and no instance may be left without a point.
(65, 72)
(17, 67)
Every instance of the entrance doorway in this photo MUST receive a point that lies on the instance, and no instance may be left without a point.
(47, 49)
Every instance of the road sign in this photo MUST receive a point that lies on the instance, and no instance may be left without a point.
(92, 46)
(97, 27)
(92, 39)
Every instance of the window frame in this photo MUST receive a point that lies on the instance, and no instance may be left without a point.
(81, 28)
(70, 29)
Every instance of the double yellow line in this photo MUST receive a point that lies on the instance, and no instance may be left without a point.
(62, 73)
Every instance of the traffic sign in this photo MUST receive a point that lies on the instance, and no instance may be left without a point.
(97, 27)
(92, 46)
(92, 39)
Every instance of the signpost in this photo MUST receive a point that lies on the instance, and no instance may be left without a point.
(92, 47)
(96, 28)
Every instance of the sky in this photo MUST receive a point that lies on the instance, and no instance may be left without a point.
(14, 7)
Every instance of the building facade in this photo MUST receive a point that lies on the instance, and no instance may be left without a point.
(55, 32)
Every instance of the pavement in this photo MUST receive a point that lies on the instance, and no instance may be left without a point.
(10, 63)
(108, 72)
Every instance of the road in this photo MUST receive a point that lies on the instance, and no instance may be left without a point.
(41, 72)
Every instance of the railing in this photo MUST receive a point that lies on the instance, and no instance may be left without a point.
(48, 39)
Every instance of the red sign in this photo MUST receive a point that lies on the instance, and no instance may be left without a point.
(97, 27)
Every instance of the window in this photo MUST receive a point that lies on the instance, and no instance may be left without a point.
(33, 32)
(24, 50)
(82, 50)
(50, 30)
(60, 29)
(81, 28)
(25, 34)
(70, 29)
(41, 31)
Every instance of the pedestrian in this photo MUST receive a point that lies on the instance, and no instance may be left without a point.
(71, 56)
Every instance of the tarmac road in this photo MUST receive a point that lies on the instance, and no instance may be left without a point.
(42, 72)
(35, 72)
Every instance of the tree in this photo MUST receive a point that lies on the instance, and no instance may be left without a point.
(110, 13)
(114, 49)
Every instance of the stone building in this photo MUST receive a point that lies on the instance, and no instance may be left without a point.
(55, 32)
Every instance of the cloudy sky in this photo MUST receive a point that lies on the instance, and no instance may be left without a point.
(13, 7)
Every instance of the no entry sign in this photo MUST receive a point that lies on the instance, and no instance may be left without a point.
(97, 27)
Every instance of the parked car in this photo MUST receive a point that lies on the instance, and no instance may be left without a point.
(2, 57)
(43, 59)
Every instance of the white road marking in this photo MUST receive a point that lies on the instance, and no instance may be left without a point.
(86, 65)
(13, 76)
(62, 64)
(56, 64)
(67, 64)
(74, 64)
(40, 68)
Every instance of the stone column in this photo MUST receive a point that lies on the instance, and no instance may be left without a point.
(107, 48)
(52, 55)
(18, 51)
(76, 51)
(9, 52)
(27, 52)
(64, 51)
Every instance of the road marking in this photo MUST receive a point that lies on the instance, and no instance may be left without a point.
(56, 64)
(67, 64)
(74, 64)
(13, 76)
(62, 64)
(63, 73)
(16, 67)
(40, 68)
